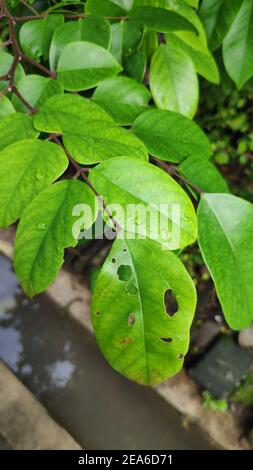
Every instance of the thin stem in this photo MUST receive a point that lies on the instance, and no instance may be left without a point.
(39, 66)
(67, 17)
(27, 105)
(29, 7)
(171, 169)
(81, 173)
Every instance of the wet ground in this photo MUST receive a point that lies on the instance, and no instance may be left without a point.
(62, 366)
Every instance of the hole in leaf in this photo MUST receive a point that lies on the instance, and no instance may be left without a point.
(124, 273)
(131, 319)
(170, 303)
(180, 356)
(126, 341)
(166, 340)
(125, 250)
(113, 260)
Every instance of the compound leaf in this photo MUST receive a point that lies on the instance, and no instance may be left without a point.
(89, 133)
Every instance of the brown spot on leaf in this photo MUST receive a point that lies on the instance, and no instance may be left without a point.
(131, 319)
(126, 341)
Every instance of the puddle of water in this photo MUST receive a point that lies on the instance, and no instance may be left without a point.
(62, 366)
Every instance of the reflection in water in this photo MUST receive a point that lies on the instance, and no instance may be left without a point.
(64, 369)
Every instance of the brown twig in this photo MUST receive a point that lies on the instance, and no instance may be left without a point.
(172, 170)
(67, 17)
(81, 171)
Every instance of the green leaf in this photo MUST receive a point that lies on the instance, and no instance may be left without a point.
(238, 46)
(36, 90)
(203, 61)
(204, 175)
(126, 38)
(149, 44)
(218, 16)
(135, 65)
(35, 36)
(26, 168)
(226, 243)
(89, 133)
(6, 61)
(160, 20)
(16, 127)
(92, 29)
(123, 98)
(171, 136)
(83, 65)
(126, 181)
(45, 230)
(173, 81)
(116, 48)
(6, 107)
(125, 4)
(103, 8)
(194, 46)
(132, 327)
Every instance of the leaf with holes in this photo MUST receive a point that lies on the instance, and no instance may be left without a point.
(46, 229)
(26, 168)
(226, 243)
(15, 127)
(92, 29)
(83, 65)
(139, 336)
(123, 98)
(147, 201)
(89, 133)
(171, 136)
(173, 81)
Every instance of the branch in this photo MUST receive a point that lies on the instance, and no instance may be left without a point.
(81, 172)
(67, 17)
(171, 169)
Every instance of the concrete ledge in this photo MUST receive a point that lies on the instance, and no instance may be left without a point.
(24, 422)
(181, 392)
